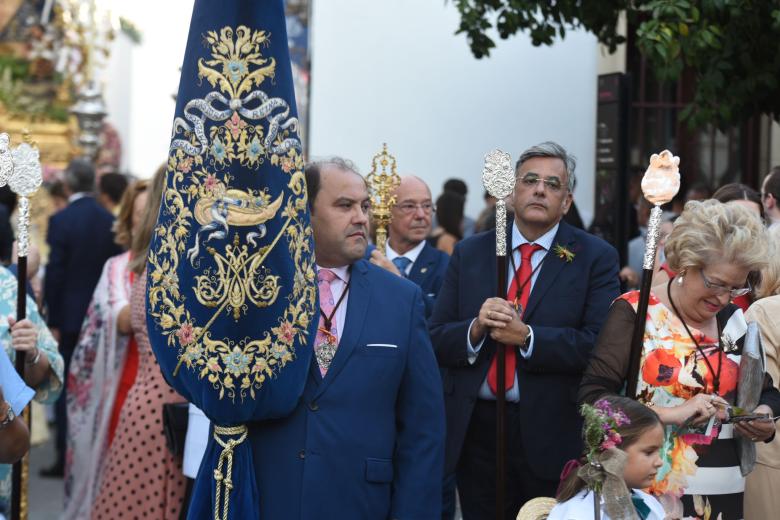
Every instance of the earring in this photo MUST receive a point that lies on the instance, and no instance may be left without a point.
(680, 279)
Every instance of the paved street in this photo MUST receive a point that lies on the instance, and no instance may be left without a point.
(46, 495)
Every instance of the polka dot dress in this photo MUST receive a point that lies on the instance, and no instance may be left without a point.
(141, 479)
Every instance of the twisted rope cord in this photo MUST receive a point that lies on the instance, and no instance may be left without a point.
(226, 455)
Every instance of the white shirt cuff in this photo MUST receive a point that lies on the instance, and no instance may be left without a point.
(527, 352)
(472, 351)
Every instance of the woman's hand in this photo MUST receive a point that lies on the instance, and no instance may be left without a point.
(757, 430)
(24, 335)
(24, 338)
(699, 409)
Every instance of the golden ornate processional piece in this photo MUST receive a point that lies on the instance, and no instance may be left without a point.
(381, 187)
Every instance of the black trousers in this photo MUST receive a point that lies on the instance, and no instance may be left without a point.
(477, 466)
(67, 345)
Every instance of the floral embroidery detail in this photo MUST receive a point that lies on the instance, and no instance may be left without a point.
(563, 253)
(200, 192)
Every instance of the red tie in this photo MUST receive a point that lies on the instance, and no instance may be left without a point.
(522, 280)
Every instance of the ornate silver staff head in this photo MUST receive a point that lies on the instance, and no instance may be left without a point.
(498, 178)
(659, 186)
(20, 168)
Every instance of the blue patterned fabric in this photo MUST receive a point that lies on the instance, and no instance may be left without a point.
(232, 295)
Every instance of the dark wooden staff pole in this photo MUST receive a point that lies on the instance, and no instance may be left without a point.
(17, 483)
(501, 401)
(638, 334)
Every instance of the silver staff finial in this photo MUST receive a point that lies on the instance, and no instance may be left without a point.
(20, 168)
(498, 178)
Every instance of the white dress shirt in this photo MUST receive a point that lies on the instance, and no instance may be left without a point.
(195, 441)
(546, 241)
(412, 255)
(76, 196)
(337, 287)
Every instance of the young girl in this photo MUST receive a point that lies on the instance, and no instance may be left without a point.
(622, 442)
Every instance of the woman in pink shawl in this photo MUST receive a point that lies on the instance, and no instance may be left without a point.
(103, 367)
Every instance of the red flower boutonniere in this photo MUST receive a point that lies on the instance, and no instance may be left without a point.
(563, 253)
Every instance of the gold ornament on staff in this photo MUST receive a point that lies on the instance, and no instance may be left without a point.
(20, 168)
(382, 186)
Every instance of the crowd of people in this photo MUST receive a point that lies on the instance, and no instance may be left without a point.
(407, 427)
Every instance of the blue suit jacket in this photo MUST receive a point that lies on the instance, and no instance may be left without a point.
(427, 272)
(566, 308)
(367, 441)
(81, 241)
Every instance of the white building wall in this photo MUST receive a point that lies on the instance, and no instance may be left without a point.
(140, 80)
(384, 71)
(395, 72)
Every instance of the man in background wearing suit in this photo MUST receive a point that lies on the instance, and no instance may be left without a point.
(561, 283)
(408, 254)
(80, 240)
(367, 437)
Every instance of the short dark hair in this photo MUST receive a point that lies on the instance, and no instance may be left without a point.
(313, 173)
(456, 186)
(449, 212)
(701, 187)
(113, 185)
(80, 176)
(736, 191)
(772, 183)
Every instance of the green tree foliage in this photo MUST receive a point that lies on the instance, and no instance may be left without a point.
(731, 46)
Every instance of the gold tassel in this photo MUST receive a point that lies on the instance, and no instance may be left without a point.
(222, 480)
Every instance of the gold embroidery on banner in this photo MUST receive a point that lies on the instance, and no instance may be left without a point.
(233, 123)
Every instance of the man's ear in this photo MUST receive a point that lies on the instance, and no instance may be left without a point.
(567, 202)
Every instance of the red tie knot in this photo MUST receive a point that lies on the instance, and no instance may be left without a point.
(526, 250)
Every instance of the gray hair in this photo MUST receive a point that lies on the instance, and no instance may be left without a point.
(80, 176)
(555, 151)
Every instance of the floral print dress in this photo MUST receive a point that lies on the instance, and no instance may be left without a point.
(49, 390)
(701, 474)
(700, 477)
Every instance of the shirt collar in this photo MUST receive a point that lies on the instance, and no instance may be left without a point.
(77, 196)
(545, 240)
(412, 254)
(341, 272)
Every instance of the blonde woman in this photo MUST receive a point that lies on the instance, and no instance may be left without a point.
(690, 360)
(140, 477)
(103, 366)
(762, 499)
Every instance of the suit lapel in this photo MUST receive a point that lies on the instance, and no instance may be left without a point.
(357, 307)
(552, 266)
(422, 267)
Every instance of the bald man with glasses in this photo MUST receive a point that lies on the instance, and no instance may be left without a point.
(408, 254)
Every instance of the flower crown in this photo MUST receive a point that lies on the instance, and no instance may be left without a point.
(600, 430)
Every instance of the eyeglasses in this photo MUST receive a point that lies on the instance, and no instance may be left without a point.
(407, 208)
(722, 289)
(530, 180)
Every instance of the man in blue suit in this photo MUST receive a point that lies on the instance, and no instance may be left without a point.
(367, 437)
(561, 283)
(80, 240)
(408, 254)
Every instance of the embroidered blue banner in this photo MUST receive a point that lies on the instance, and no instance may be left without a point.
(231, 285)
